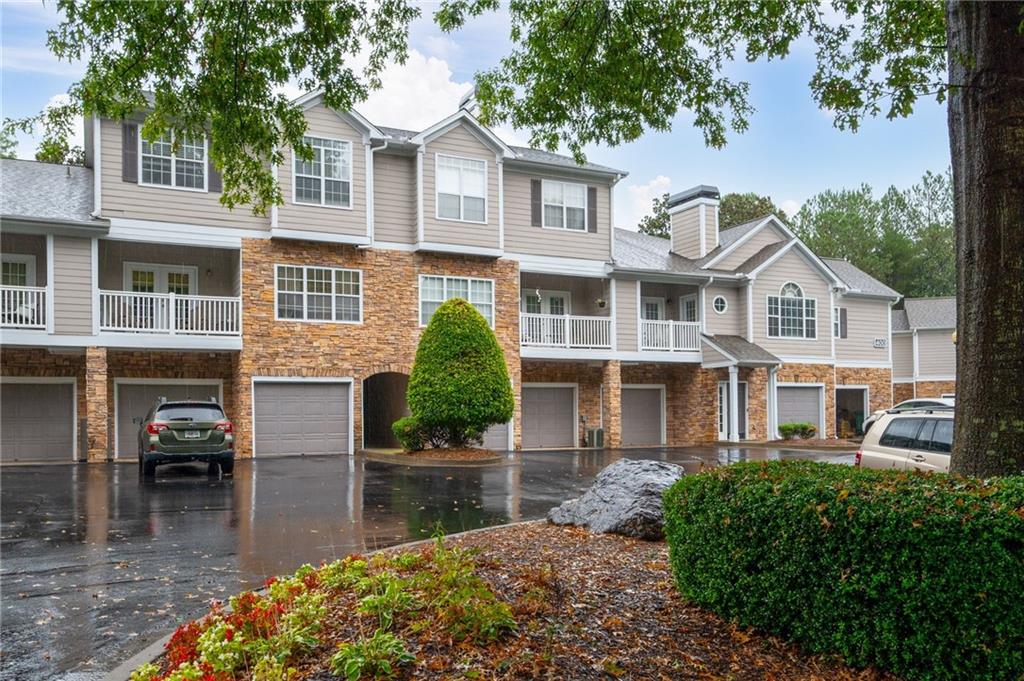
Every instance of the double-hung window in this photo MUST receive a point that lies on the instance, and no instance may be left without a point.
(461, 189)
(565, 205)
(791, 315)
(327, 179)
(324, 294)
(162, 165)
(434, 290)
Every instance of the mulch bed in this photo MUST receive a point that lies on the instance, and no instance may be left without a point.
(608, 610)
(466, 454)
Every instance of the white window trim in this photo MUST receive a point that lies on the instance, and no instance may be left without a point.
(323, 178)
(174, 163)
(768, 316)
(159, 269)
(682, 307)
(724, 300)
(544, 293)
(437, 201)
(446, 277)
(28, 260)
(836, 326)
(303, 319)
(565, 222)
(657, 300)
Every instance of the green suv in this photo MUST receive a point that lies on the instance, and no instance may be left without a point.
(179, 432)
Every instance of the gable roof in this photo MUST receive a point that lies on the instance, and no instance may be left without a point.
(352, 117)
(900, 321)
(741, 350)
(858, 280)
(636, 251)
(459, 117)
(761, 257)
(47, 192)
(930, 313)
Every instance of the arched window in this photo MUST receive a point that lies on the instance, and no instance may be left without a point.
(791, 315)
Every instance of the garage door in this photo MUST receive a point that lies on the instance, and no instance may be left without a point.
(641, 416)
(301, 418)
(37, 421)
(134, 400)
(800, 405)
(549, 417)
(496, 437)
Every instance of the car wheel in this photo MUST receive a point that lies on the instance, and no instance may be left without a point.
(227, 468)
(148, 468)
(213, 469)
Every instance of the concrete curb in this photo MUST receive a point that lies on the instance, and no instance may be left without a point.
(420, 461)
(153, 651)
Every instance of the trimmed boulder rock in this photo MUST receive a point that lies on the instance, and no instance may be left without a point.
(624, 499)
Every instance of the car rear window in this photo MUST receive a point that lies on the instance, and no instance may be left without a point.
(190, 412)
(942, 437)
(900, 433)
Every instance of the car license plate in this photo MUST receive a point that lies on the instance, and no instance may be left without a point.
(191, 434)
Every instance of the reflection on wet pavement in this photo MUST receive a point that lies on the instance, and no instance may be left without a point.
(97, 564)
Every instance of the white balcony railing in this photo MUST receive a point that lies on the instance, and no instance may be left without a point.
(565, 331)
(168, 313)
(669, 336)
(22, 307)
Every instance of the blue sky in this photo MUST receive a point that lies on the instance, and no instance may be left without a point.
(790, 152)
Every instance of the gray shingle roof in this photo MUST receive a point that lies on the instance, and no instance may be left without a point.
(46, 191)
(397, 133)
(899, 321)
(743, 350)
(759, 258)
(858, 280)
(727, 236)
(931, 313)
(637, 251)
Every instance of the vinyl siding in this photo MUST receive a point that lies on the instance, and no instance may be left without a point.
(217, 268)
(323, 122)
(72, 285)
(583, 292)
(936, 354)
(686, 232)
(734, 321)
(522, 237)
(133, 201)
(794, 267)
(866, 320)
(671, 293)
(626, 315)
(766, 236)
(27, 244)
(459, 142)
(394, 198)
(902, 356)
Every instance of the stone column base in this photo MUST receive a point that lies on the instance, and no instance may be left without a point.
(97, 413)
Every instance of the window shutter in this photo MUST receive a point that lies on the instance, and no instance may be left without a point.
(536, 207)
(592, 209)
(842, 322)
(213, 179)
(130, 152)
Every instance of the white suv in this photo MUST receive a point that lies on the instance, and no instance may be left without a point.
(919, 439)
(905, 405)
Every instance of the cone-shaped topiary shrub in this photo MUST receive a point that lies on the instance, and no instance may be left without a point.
(459, 385)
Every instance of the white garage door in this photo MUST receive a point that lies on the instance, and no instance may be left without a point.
(641, 416)
(798, 404)
(37, 421)
(134, 400)
(549, 417)
(496, 437)
(301, 418)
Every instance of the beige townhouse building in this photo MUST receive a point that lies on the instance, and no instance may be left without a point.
(126, 280)
(924, 348)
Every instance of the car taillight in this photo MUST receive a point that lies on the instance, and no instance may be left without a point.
(856, 459)
(225, 427)
(155, 428)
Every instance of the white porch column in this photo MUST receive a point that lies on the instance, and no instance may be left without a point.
(772, 424)
(734, 404)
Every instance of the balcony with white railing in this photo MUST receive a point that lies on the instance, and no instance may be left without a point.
(170, 314)
(23, 307)
(565, 331)
(668, 336)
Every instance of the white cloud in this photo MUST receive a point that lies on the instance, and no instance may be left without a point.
(415, 94)
(441, 46)
(791, 207)
(28, 143)
(639, 198)
(39, 60)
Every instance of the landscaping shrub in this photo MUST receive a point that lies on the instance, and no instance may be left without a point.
(803, 431)
(922, 575)
(459, 384)
(410, 435)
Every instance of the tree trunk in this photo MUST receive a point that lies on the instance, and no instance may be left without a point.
(986, 133)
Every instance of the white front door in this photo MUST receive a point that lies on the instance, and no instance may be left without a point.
(555, 303)
(148, 278)
(723, 410)
(652, 309)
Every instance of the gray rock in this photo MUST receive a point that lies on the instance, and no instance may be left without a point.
(624, 499)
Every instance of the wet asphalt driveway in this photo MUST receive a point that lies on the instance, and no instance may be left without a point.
(96, 564)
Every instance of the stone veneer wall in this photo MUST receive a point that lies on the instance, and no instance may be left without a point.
(814, 373)
(934, 388)
(587, 376)
(39, 362)
(879, 382)
(690, 399)
(388, 336)
(901, 392)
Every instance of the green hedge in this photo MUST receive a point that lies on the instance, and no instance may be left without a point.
(803, 431)
(922, 575)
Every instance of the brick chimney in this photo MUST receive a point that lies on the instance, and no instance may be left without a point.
(694, 216)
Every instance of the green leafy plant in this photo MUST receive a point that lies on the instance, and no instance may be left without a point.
(916, 574)
(377, 657)
(410, 434)
(459, 385)
(802, 431)
(389, 601)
